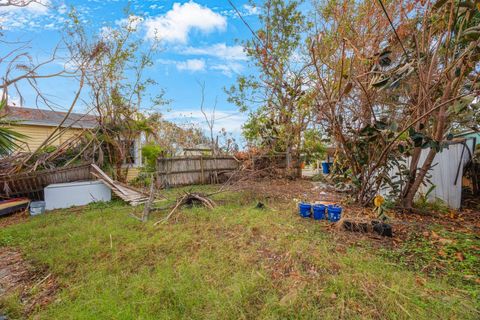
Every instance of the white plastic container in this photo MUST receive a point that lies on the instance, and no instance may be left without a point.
(37, 207)
(66, 195)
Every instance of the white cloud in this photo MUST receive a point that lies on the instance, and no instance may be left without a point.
(231, 121)
(36, 16)
(132, 22)
(250, 10)
(63, 9)
(14, 101)
(229, 68)
(219, 50)
(106, 33)
(155, 7)
(245, 11)
(176, 24)
(228, 58)
(193, 65)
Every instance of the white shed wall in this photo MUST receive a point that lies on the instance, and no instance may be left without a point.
(444, 173)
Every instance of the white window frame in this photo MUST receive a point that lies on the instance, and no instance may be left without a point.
(137, 155)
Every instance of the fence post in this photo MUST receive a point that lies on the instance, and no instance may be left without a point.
(148, 205)
(202, 170)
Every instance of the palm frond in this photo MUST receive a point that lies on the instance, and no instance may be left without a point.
(9, 139)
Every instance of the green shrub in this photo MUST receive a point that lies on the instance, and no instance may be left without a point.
(150, 154)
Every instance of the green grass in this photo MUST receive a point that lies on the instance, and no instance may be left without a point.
(438, 252)
(235, 262)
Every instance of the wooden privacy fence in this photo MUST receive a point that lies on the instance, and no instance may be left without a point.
(279, 162)
(31, 184)
(180, 171)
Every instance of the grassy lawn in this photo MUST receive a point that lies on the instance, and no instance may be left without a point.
(235, 262)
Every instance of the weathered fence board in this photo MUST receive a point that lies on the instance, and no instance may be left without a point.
(278, 162)
(180, 171)
(31, 184)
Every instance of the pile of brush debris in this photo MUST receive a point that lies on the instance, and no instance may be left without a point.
(70, 152)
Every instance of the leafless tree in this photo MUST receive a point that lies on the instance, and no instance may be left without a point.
(19, 3)
(20, 67)
(209, 119)
(21, 71)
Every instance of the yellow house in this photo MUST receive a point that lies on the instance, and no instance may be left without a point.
(38, 124)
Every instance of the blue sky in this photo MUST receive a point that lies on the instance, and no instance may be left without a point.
(200, 41)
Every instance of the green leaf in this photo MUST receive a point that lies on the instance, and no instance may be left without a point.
(403, 137)
(380, 82)
(472, 33)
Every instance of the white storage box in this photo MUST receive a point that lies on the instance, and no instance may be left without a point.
(66, 195)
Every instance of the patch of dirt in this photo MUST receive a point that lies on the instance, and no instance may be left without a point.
(13, 218)
(403, 224)
(35, 288)
(288, 190)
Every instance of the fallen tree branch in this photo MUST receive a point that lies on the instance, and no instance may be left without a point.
(189, 199)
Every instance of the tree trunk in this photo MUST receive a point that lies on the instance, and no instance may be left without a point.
(412, 173)
(417, 179)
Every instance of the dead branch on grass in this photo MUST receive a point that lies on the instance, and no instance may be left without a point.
(189, 199)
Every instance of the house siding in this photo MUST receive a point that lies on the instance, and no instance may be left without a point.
(36, 135)
(132, 173)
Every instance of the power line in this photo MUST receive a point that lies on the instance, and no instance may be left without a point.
(393, 28)
(265, 47)
(245, 22)
(216, 119)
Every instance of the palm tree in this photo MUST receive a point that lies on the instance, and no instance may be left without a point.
(9, 139)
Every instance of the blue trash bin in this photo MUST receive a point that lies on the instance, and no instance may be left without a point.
(326, 167)
(334, 213)
(304, 209)
(319, 211)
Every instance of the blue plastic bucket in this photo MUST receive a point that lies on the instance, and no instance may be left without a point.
(319, 211)
(304, 209)
(334, 213)
(326, 167)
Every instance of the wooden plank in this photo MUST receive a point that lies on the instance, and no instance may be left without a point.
(126, 193)
(107, 178)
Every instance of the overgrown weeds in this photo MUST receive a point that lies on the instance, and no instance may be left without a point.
(453, 256)
(230, 262)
